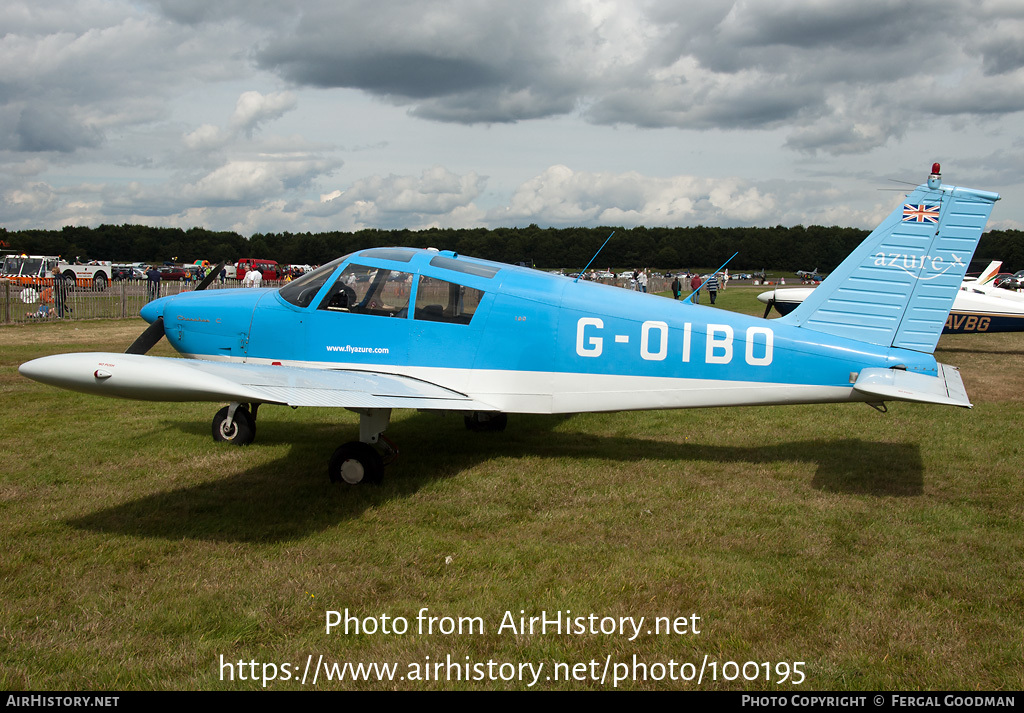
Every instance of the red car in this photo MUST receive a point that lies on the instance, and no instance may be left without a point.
(174, 273)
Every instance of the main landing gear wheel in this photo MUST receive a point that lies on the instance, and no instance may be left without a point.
(241, 431)
(480, 421)
(356, 463)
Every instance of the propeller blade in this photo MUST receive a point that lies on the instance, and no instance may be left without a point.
(768, 308)
(208, 280)
(148, 339)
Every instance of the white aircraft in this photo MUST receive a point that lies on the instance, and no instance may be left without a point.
(979, 305)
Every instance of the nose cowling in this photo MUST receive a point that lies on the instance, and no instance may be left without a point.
(214, 322)
(155, 309)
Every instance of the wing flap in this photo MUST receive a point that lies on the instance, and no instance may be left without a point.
(895, 384)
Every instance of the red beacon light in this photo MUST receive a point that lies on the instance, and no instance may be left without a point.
(936, 169)
(935, 180)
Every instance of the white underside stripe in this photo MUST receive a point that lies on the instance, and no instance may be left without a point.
(554, 392)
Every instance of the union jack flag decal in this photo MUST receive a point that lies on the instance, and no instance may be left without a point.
(921, 213)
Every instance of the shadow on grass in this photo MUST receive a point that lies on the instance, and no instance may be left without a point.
(976, 350)
(291, 497)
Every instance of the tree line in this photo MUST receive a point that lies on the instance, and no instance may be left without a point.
(777, 248)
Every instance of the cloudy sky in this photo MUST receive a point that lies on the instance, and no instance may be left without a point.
(274, 115)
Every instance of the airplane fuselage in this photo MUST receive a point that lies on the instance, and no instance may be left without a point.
(531, 342)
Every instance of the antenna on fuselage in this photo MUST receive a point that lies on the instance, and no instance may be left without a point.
(689, 298)
(580, 274)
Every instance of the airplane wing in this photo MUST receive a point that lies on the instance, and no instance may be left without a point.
(147, 378)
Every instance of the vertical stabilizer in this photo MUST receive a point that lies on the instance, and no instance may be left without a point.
(990, 272)
(897, 287)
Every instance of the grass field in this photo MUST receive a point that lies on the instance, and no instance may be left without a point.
(882, 550)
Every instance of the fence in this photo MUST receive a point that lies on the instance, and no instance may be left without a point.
(39, 301)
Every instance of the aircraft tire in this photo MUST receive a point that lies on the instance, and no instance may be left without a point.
(242, 431)
(356, 463)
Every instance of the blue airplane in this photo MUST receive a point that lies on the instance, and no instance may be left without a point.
(389, 328)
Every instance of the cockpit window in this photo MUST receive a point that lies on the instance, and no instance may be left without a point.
(441, 301)
(301, 292)
(369, 290)
(396, 254)
(469, 268)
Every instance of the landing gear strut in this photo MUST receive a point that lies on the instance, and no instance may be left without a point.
(359, 461)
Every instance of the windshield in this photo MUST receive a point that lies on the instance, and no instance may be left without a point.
(32, 266)
(301, 292)
(12, 265)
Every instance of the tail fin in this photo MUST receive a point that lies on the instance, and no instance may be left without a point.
(990, 272)
(897, 287)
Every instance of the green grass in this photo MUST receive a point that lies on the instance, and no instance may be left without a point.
(884, 550)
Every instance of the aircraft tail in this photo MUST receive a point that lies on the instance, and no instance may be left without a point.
(897, 287)
(990, 272)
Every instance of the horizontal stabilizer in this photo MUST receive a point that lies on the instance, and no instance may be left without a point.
(946, 389)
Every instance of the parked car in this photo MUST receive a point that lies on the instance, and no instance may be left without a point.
(174, 273)
(1008, 281)
(128, 273)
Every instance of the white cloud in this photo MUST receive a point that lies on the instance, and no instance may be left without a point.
(244, 181)
(563, 197)
(28, 200)
(205, 138)
(253, 109)
(405, 201)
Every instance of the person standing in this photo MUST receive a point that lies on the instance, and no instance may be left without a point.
(152, 283)
(695, 286)
(676, 287)
(60, 292)
(712, 285)
(253, 278)
(643, 280)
